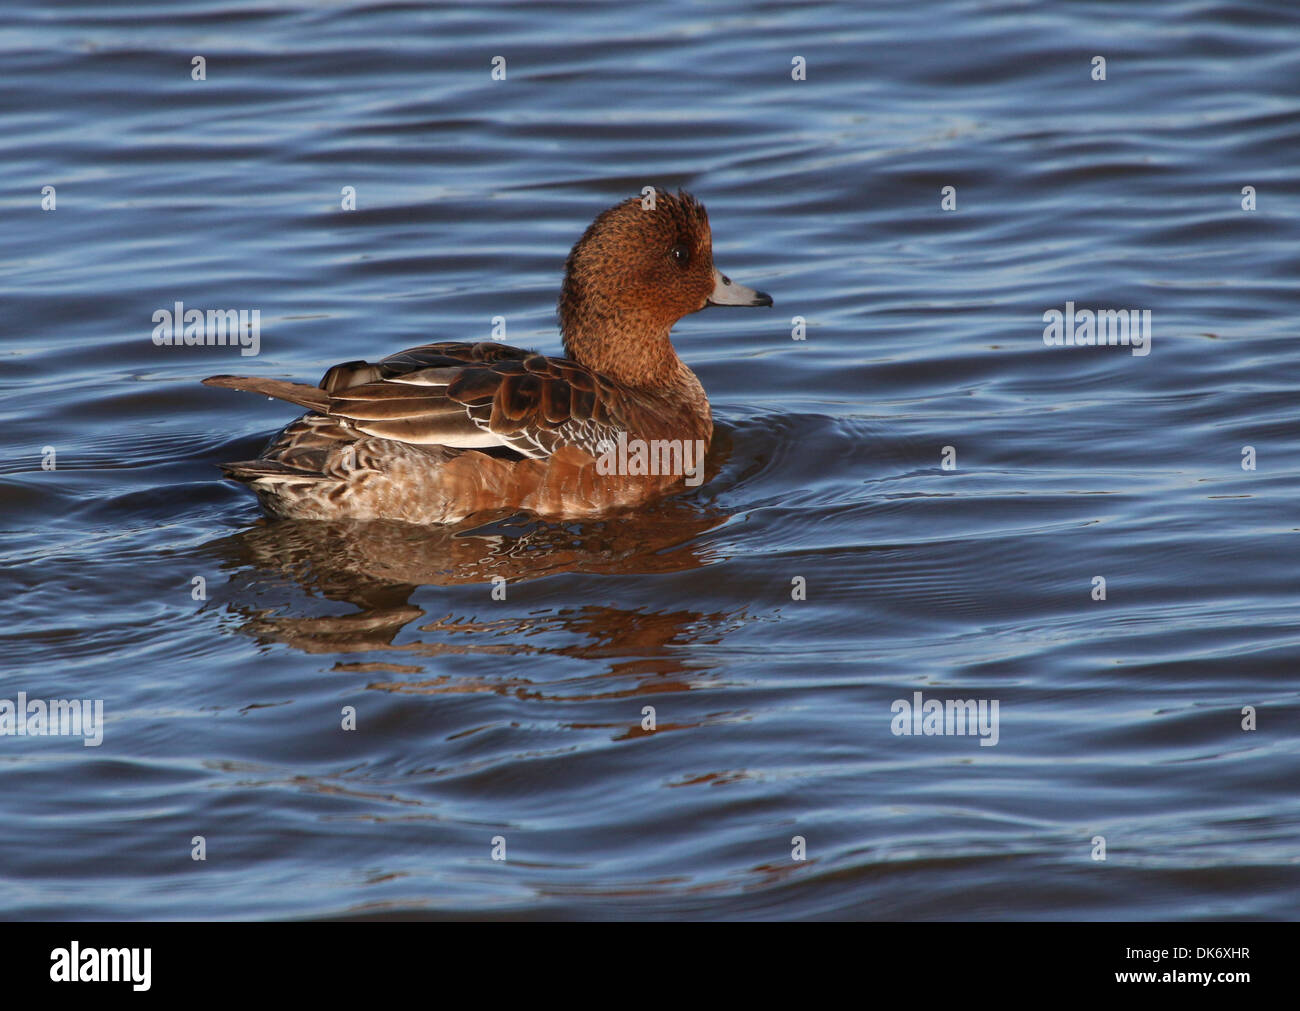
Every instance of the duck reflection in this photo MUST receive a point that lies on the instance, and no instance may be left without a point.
(376, 566)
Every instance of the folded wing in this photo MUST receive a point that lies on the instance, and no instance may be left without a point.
(464, 396)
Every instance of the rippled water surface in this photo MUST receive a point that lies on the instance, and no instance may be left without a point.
(522, 718)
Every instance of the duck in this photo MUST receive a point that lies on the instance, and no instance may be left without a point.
(444, 432)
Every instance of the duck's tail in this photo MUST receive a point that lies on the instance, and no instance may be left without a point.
(311, 397)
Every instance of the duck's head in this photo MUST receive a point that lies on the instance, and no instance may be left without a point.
(640, 267)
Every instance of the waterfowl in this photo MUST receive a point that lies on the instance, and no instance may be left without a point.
(441, 432)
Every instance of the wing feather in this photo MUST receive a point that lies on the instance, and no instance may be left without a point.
(476, 396)
(464, 396)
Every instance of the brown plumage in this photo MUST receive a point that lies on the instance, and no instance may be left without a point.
(441, 432)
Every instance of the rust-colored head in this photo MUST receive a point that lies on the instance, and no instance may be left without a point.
(640, 267)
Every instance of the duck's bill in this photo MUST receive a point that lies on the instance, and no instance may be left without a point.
(728, 292)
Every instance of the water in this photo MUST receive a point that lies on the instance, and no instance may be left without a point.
(522, 719)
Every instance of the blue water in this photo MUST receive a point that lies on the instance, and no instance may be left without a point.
(522, 719)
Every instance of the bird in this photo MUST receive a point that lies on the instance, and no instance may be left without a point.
(443, 432)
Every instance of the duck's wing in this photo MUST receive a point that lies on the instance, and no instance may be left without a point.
(461, 395)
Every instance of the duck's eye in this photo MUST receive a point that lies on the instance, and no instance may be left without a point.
(681, 254)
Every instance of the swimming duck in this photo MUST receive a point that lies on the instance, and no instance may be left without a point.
(440, 432)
